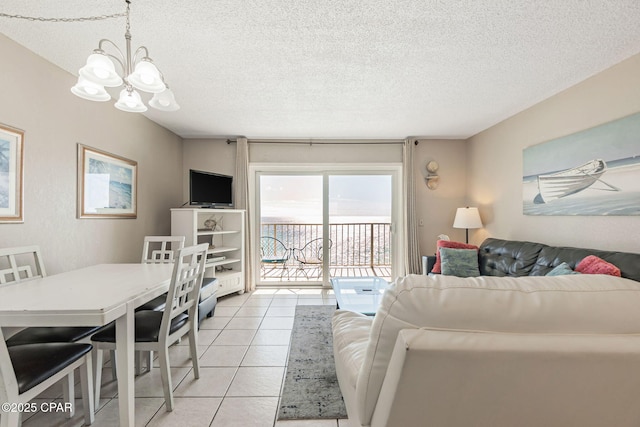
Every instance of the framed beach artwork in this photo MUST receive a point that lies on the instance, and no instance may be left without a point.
(106, 185)
(11, 162)
(592, 172)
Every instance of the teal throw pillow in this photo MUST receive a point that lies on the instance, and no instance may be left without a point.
(561, 270)
(459, 262)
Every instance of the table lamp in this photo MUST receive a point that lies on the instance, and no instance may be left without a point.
(467, 218)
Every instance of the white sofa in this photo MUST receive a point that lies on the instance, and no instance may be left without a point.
(494, 351)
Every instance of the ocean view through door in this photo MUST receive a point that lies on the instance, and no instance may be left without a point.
(318, 225)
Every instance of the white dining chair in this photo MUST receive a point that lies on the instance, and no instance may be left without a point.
(159, 250)
(21, 264)
(155, 250)
(28, 370)
(157, 330)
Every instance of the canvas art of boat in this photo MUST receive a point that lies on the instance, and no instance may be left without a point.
(570, 181)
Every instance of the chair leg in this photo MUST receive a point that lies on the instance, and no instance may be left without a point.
(98, 355)
(114, 372)
(86, 383)
(165, 374)
(149, 358)
(143, 358)
(193, 349)
(138, 362)
(68, 392)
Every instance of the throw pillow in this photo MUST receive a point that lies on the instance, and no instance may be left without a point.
(594, 265)
(459, 262)
(561, 270)
(437, 267)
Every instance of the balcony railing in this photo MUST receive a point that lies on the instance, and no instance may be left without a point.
(353, 245)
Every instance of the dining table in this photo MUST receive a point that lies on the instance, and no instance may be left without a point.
(91, 296)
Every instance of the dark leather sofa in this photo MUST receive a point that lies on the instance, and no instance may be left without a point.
(497, 257)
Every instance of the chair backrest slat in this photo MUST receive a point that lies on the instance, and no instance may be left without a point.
(20, 264)
(161, 249)
(186, 281)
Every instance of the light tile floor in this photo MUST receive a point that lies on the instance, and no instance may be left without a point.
(243, 353)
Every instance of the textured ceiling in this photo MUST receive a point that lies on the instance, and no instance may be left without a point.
(346, 68)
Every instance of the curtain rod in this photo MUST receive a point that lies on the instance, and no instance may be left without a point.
(323, 141)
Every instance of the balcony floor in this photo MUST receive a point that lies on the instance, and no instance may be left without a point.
(295, 274)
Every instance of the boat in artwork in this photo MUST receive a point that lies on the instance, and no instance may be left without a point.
(570, 181)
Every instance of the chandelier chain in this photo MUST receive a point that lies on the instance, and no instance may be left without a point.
(81, 19)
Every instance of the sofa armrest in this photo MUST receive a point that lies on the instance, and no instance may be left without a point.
(447, 377)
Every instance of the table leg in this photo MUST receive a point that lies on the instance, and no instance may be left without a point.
(124, 367)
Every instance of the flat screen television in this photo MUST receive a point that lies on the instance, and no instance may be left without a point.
(210, 189)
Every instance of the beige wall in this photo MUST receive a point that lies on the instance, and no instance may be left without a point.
(437, 208)
(495, 163)
(215, 155)
(210, 155)
(36, 99)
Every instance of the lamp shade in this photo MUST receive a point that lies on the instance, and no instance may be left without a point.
(130, 101)
(100, 69)
(467, 218)
(164, 101)
(89, 90)
(146, 77)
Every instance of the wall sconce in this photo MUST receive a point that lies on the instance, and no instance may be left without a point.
(432, 179)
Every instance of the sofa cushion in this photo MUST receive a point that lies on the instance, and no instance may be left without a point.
(561, 304)
(561, 270)
(459, 262)
(508, 258)
(594, 265)
(552, 256)
(350, 336)
(437, 267)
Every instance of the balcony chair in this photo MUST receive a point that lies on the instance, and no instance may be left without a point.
(309, 257)
(157, 330)
(273, 253)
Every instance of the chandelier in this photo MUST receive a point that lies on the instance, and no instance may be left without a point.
(138, 72)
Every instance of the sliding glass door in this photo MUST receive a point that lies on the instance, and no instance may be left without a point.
(360, 225)
(291, 218)
(320, 224)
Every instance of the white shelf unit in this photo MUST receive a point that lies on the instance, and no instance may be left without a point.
(227, 242)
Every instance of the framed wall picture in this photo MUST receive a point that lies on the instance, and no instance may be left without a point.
(107, 184)
(592, 172)
(11, 174)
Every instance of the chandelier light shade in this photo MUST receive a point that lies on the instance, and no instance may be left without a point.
(164, 101)
(146, 77)
(89, 90)
(130, 101)
(137, 72)
(467, 218)
(100, 70)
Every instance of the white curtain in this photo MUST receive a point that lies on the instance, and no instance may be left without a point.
(412, 263)
(241, 201)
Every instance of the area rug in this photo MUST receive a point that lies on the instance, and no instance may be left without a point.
(311, 388)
